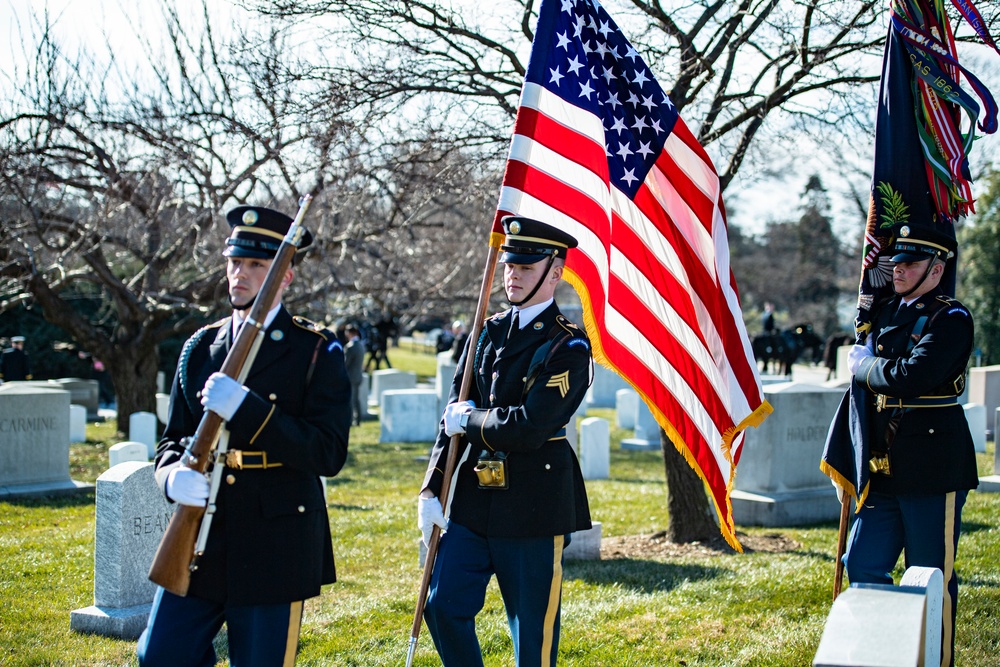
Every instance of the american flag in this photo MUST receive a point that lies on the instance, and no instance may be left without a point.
(600, 152)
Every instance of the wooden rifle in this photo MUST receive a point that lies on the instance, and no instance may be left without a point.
(184, 540)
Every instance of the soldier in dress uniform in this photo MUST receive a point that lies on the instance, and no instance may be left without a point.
(923, 460)
(14, 365)
(269, 547)
(518, 489)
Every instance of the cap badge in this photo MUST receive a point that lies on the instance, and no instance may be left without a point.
(250, 217)
(904, 231)
(277, 334)
(515, 227)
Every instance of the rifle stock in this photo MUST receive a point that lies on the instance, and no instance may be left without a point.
(175, 556)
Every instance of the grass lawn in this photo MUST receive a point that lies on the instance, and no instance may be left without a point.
(756, 609)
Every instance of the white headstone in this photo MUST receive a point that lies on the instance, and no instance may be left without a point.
(595, 448)
(366, 391)
(142, 428)
(975, 414)
(34, 440)
(409, 415)
(162, 407)
(984, 388)
(647, 430)
(626, 408)
(573, 427)
(842, 367)
(77, 423)
(82, 392)
(991, 483)
(602, 391)
(127, 451)
(585, 544)
(778, 482)
(443, 378)
(931, 580)
(132, 515)
(884, 625)
(389, 379)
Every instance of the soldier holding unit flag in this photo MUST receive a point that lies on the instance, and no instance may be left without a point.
(900, 445)
(922, 460)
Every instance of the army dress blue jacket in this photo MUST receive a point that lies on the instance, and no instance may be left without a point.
(920, 353)
(270, 539)
(526, 391)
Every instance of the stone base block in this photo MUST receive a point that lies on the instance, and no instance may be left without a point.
(125, 623)
(44, 489)
(989, 484)
(637, 444)
(791, 508)
(585, 545)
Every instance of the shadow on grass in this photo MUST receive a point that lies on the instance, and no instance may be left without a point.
(643, 576)
(969, 527)
(976, 581)
(55, 501)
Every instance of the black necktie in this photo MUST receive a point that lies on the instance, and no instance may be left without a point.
(515, 326)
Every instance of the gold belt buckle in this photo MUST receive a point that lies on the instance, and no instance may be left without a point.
(880, 402)
(234, 459)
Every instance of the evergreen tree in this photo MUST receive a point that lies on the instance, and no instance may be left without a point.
(979, 268)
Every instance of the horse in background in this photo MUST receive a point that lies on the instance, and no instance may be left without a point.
(779, 351)
(833, 343)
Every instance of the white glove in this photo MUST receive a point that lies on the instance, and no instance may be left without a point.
(453, 415)
(429, 514)
(858, 354)
(840, 492)
(187, 486)
(223, 395)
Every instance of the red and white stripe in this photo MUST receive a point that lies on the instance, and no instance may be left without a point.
(660, 300)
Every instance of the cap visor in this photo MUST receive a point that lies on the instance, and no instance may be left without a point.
(237, 251)
(517, 258)
(907, 257)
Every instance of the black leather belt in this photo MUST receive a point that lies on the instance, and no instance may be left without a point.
(883, 402)
(239, 459)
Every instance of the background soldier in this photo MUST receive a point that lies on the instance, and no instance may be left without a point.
(923, 458)
(354, 358)
(519, 493)
(14, 365)
(269, 547)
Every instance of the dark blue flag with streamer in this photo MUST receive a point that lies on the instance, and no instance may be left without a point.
(920, 177)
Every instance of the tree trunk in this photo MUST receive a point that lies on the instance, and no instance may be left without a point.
(133, 371)
(691, 517)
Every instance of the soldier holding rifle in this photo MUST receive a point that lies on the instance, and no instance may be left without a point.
(518, 489)
(269, 546)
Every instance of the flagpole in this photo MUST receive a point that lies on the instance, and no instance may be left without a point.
(845, 511)
(452, 458)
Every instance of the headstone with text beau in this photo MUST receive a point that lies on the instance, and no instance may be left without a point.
(132, 515)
